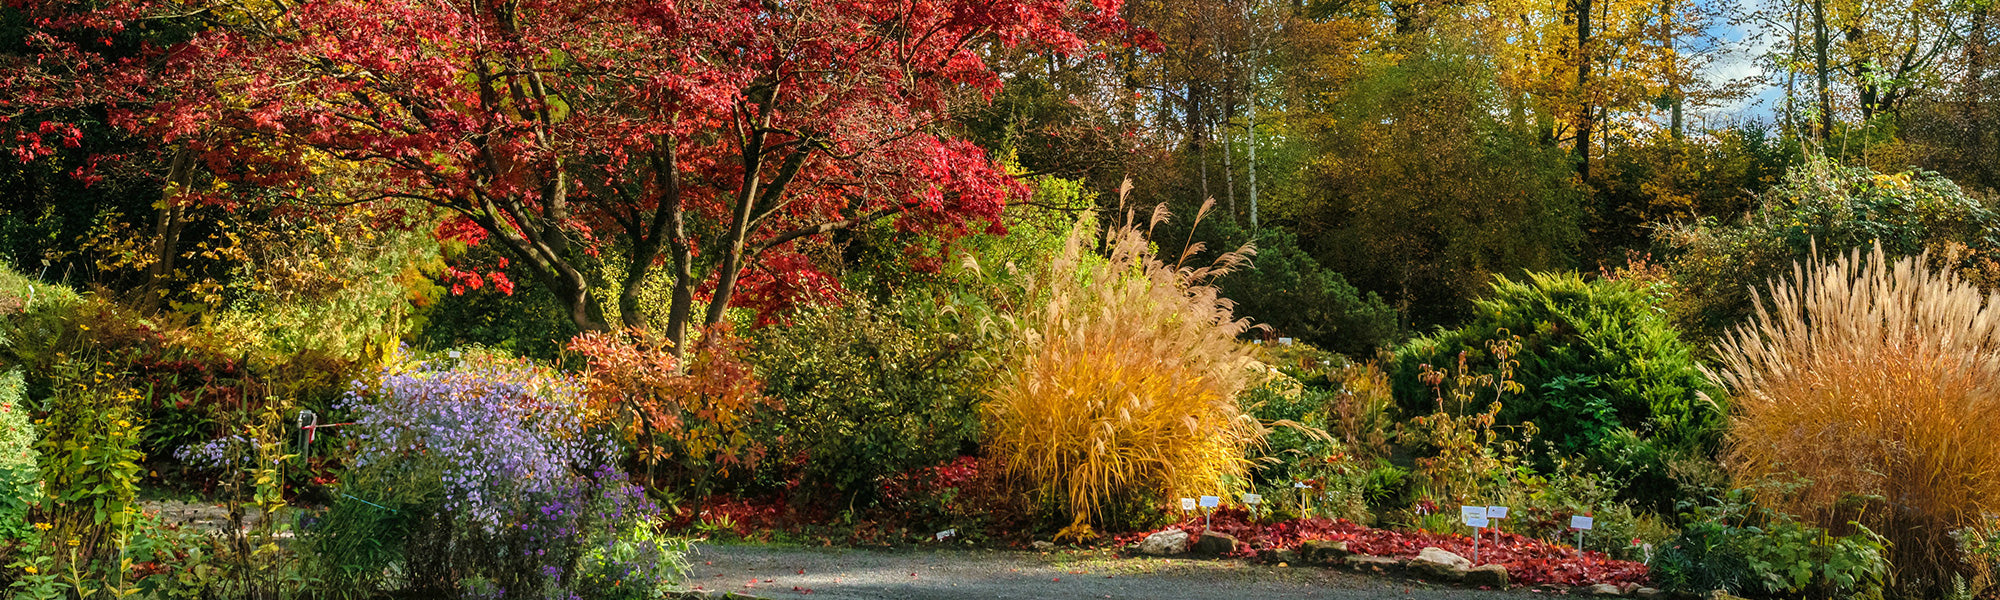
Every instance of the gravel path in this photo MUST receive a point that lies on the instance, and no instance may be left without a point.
(778, 572)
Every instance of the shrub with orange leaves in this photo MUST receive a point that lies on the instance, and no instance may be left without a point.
(695, 421)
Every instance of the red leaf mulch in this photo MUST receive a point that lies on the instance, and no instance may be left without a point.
(1529, 561)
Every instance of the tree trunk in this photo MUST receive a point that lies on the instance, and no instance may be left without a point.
(1584, 111)
(1675, 100)
(1823, 71)
(167, 226)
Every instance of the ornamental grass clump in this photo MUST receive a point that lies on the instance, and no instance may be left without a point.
(1122, 392)
(1878, 384)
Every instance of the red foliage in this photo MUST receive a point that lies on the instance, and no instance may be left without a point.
(961, 473)
(560, 128)
(1529, 561)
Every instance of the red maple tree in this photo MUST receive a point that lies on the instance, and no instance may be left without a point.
(701, 136)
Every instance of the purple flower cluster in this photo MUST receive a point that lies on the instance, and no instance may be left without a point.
(522, 487)
(227, 452)
(490, 437)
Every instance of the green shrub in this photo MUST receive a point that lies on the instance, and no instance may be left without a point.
(1289, 290)
(1387, 487)
(1543, 504)
(871, 390)
(1286, 288)
(1294, 416)
(20, 480)
(1836, 208)
(1604, 374)
(1739, 547)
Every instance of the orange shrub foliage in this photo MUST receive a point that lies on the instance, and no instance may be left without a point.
(697, 419)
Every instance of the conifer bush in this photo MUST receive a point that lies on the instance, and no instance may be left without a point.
(1878, 384)
(1605, 376)
(1123, 387)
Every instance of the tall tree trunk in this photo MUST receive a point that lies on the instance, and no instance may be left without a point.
(1250, 110)
(1250, 147)
(1228, 166)
(1585, 114)
(1792, 76)
(167, 226)
(1823, 71)
(730, 269)
(1675, 98)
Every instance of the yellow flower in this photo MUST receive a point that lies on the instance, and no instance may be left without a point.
(32, 570)
(44, 526)
(124, 423)
(73, 542)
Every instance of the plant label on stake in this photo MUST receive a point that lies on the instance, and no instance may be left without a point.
(1580, 523)
(1496, 512)
(942, 535)
(1187, 504)
(1474, 517)
(1209, 502)
(1252, 500)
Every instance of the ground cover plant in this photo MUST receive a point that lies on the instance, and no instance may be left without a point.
(1528, 560)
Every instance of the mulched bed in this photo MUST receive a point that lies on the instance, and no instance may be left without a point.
(1529, 561)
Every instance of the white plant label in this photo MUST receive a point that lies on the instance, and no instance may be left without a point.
(1581, 522)
(1468, 513)
(1496, 512)
(1252, 499)
(1285, 341)
(1476, 522)
(1301, 485)
(1187, 504)
(1211, 501)
(946, 534)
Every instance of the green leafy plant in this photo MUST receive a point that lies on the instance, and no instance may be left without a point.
(1464, 456)
(90, 460)
(1737, 546)
(871, 390)
(1825, 205)
(20, 478)
(1601, 371)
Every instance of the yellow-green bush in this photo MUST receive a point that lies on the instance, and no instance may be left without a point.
(1878, 384)
(1123, 388)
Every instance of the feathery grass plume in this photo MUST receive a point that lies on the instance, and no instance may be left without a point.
(1124, 386)
(1878, 383)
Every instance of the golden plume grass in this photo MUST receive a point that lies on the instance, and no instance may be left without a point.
(1877, 384)
(1124, 385)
